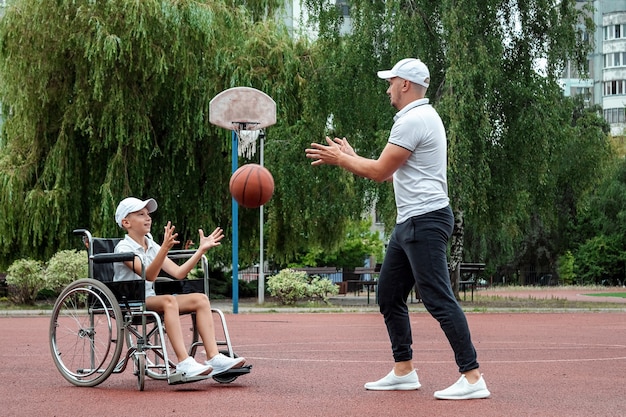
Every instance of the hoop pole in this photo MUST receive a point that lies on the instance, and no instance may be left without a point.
(235, 216)
(261, 278)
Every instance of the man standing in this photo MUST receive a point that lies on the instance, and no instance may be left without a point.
(415, 158)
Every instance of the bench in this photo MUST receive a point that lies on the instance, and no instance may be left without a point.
(346, 284)
(471, 269)
(371, 283)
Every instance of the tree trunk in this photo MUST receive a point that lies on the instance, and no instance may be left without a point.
(456, 252)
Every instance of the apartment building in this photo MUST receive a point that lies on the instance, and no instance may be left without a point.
(605, 83)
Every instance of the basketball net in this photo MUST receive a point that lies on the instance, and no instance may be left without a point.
(246, 140)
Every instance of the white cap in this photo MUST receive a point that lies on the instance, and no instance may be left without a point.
(131, 205)
(410, 69)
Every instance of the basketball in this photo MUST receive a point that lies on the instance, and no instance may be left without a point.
(251, 185)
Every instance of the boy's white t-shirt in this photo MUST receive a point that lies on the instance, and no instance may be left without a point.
(420, 184)
(124, 273)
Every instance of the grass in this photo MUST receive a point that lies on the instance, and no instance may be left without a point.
(530, 303)
(609, 294)
(552, 302)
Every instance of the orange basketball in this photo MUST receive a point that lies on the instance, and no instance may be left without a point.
(251, 185)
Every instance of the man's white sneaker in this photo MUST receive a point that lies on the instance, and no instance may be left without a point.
(191, 368)
(222, 363)
(392, 382)
(463, 390)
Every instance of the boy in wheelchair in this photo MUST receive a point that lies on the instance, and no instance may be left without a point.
(133, 215)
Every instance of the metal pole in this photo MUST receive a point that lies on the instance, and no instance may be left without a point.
(261, 278)
(235, 215)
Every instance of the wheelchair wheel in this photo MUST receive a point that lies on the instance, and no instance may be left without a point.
(86, 330)
(141, 370)
(225, 378)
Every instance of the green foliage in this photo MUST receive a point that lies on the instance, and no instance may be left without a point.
(321, 288)
(290, 286)
(109, 99)
(65, 267)
(358, 244)
(600, 260)
(566, 268)
(25, 278)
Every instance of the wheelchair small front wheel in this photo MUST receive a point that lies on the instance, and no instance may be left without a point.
(140, 358)
(86, 330)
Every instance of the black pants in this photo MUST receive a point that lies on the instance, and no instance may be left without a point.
(417, 255)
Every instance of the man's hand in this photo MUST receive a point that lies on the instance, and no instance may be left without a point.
(345, 146)
(329, 154)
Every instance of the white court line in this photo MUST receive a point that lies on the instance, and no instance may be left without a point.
(508, 362)
(546, 347)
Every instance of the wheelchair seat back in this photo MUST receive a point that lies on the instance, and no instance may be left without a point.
(103, 272)
(125, 291)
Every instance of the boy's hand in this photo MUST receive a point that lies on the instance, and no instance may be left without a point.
(212, 240)
(169, 238)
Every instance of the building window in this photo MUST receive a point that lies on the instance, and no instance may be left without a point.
(612, 88)
(344, 8)
(616, 59)
(613, 116)
(613, 32)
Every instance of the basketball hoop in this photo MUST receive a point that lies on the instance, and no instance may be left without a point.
(246, 139)
(244, 111)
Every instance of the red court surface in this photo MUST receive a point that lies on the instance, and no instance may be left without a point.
(315, 364)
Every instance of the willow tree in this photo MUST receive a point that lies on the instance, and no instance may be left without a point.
(110, 99)
(494, 71)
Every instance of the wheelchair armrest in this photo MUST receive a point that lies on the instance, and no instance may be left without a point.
(103, 258)
(180, 253)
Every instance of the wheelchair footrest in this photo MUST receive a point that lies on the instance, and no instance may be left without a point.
(224, 377)
(232, 374)
(180, 378)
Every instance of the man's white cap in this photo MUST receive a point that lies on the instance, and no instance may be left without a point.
(410, 69)
(131, 205)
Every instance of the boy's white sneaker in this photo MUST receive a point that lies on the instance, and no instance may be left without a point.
(191, 368)
(222, 363)
(463, 390)
(392, 382)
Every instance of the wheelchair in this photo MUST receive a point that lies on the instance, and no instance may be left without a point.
(93, 317)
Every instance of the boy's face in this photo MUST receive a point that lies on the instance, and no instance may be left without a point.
(139, 221)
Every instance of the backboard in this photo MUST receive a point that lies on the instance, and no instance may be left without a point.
(242, 108)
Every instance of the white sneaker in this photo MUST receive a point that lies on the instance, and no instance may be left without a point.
(191, 368)
(222, 363)
(463, 390)
(392, 382)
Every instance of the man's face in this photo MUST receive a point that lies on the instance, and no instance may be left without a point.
(394, 91)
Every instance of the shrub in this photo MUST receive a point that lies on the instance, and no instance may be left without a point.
(566, 268)
(65, 267)
(25, 278)
(322, 287)
(288, 286)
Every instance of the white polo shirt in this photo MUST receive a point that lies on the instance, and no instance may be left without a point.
(124, 273)
(420, 184)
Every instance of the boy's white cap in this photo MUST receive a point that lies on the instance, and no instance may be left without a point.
(131, 205)
(410, 69)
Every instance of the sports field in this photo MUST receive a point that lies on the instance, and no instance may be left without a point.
(315, 364)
